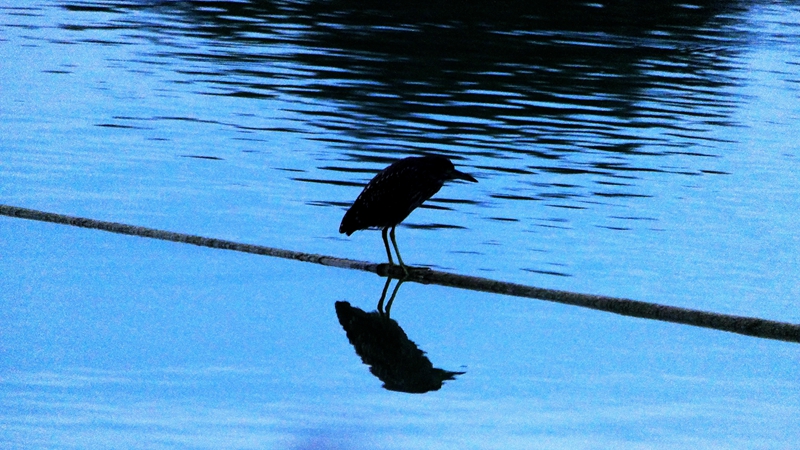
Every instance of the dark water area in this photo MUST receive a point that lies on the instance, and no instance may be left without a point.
(529, 82)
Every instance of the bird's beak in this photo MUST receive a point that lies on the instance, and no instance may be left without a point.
(456, 175)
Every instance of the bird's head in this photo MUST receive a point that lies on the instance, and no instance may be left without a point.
(446, 171)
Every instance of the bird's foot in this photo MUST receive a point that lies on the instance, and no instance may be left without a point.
(400, 272)
(392, 271)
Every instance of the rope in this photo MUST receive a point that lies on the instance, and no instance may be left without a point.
(750, 326)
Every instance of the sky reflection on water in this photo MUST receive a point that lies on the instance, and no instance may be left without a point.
(644, 154)
(611, 151)
(151, 344)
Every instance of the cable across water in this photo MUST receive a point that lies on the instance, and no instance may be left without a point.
(750, 326)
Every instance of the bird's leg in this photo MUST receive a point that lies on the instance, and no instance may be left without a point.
(397, 250)
(383, 295)
(394, 293)
(386, 244)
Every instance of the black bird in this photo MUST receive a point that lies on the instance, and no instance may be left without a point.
(396, 191)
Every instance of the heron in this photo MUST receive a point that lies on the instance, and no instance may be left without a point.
(395, 192)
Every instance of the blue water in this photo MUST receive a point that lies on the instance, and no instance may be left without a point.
(645, 153)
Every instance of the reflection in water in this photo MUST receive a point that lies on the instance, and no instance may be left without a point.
(574, 112)
(587, 89)
(584, 119)
(569, 109)
(384, 346)
(538, 80)
(593, 124)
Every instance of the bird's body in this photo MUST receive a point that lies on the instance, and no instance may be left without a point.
(395, 192)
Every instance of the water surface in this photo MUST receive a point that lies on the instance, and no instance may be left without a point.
(647, 152)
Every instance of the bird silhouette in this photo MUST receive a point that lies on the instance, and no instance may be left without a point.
(390, 354)
(395, 192)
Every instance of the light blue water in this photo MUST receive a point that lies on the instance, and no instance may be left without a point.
(651, 156)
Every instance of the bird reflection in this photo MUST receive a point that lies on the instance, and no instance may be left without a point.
(385, 347)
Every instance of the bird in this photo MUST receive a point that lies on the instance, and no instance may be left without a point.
(395, 192)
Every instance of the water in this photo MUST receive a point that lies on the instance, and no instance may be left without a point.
(638, 151)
